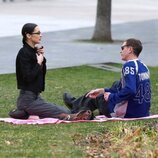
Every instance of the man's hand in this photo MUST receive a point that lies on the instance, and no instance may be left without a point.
(94, 93)
(106, 95)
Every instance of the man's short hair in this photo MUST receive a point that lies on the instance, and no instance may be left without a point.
(135, 44)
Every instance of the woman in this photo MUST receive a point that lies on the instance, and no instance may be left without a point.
(30, 74)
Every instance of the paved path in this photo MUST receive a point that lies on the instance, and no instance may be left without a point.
(66, 23)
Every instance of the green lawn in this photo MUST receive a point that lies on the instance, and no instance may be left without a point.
(78, 140)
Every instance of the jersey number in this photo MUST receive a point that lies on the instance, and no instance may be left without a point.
(143, 93)
(128, 70)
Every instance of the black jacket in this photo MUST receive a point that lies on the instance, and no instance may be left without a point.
(30, 75)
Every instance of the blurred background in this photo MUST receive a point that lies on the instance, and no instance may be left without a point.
(67, 26)
(53, 15)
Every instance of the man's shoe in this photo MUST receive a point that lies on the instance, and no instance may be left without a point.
(81, 115)
(67, 98)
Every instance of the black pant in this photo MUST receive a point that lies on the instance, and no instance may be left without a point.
(86, 103)
(29, 103)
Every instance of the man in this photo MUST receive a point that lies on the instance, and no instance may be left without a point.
(129, 98)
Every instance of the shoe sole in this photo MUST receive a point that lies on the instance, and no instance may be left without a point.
(84, 115)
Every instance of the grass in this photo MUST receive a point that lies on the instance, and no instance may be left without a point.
(80, 140)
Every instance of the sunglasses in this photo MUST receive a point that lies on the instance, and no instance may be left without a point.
(124, 47)
(36, 33)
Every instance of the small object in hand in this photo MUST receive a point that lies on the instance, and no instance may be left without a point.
(38, 46)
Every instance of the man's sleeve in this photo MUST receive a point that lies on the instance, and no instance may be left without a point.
(129, 86)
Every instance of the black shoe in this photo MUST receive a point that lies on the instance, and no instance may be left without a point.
(18, 114)
(67, 98)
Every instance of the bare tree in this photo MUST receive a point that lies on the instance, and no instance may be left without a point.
(102, 30)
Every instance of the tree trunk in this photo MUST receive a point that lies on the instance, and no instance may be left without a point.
(102, 30)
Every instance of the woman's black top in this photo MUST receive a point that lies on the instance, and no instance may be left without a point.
(30, 75)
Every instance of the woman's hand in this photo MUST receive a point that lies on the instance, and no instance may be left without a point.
(40, 58)
(40, 54)
(40, 50)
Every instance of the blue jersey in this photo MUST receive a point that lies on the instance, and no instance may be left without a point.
(133, 99)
